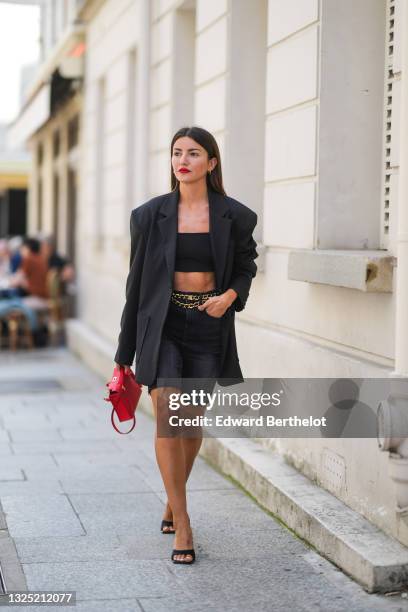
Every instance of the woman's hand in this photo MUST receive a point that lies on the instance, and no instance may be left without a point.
(127, 368)
(217, 305)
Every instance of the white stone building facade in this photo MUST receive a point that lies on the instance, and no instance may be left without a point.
(304, 99)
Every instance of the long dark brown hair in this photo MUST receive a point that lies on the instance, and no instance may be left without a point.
(208, 142)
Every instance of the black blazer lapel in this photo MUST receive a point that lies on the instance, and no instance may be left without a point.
(220, 228)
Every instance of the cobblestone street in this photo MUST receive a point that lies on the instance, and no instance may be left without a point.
(82, 506)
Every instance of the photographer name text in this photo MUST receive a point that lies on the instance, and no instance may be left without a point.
(259, 421)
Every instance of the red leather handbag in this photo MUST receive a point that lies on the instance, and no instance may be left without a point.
(124, 395)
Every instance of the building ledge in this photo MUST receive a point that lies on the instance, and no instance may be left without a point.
(370, 271)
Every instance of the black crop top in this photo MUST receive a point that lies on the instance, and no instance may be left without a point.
(193, 252)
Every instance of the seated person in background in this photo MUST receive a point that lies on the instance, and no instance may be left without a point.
(31, 277)
(57, 261)
(5, 270)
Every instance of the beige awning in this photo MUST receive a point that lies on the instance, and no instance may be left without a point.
(32, 117)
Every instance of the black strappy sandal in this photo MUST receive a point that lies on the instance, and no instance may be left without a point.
(165, 523)
(189, 551)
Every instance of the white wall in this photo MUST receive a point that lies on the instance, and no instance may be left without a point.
(112, 39)
(288, 328)
(342, 319)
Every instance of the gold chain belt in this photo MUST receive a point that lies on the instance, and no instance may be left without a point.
(194, 299)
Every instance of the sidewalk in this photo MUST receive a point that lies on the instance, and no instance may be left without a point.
(82, 507)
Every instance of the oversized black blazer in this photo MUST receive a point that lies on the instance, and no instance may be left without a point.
(153, 230)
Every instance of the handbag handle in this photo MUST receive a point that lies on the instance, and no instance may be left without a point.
(118, 430)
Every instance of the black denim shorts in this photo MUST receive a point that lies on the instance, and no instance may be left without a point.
(190, 346)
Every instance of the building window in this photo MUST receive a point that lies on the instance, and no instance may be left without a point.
(131, 136)
(73, 132)
(56, 143)
(55, 206)
(40, 154)
(39, 205)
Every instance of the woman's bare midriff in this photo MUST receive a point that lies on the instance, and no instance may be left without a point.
(194, 281)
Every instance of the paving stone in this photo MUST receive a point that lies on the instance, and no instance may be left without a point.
(126, 483)
(253, 580)
(38, 403)
(144, 461)
(121, 513)
(70, 549)
(88, 433)
(266, 544)
(10, 473)
(20, 422)
(41, 461)
(6, 409)
(85, 414)
(151, 475)
(27, 411)
(29, 487)
(90, 458)
(182, 603)
(5, 449)
(82, 471)
(8, 403)
(186, 604)
(63, 446)
(199, 478)
(46, 435)
(142, 545)
(216, 507)
(70, 420)
(4, 437)
(221, 503)
(74, 405)
(40, 515)
(104, 579)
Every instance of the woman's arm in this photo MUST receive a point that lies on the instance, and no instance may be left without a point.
(127, 337)
(245, 268)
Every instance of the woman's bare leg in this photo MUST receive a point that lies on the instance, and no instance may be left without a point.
(175, 460)
(191, 449)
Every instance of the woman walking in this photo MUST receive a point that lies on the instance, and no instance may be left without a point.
(191, 268)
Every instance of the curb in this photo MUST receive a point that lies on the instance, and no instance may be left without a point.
(375, 560)
(12, 577)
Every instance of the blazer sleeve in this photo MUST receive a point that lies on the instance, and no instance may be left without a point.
(244, 268)
(128, 324)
